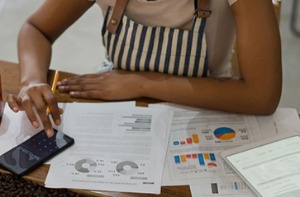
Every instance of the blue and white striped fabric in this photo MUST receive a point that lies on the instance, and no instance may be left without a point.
(136, 47)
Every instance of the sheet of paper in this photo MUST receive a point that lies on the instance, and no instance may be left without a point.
(16, 128)
(116, 149)
(283, 120)
(196, 139)
(273, 169)
(222, 188)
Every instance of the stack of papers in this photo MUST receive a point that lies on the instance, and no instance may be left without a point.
(118, 146)
(197, 137)
(121, 147)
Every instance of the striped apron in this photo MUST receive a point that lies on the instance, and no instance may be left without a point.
(136, 47)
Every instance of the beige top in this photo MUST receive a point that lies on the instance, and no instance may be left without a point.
(220, 27)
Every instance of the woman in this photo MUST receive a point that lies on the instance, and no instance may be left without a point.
(161, 50)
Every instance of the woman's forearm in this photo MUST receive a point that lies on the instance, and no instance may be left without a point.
(221, 94)
(34, 53)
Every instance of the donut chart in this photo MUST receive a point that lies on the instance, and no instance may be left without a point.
(85, 165)
(127, 167)
(224, 133)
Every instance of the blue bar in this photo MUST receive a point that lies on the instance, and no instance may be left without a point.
(177, 159)
(236, 186)
(175, 143)
(212, 157)
(201, 160)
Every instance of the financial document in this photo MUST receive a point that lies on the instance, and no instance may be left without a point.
(197, 137)
(222, 188)
(272, 169)
(116, 149)
(283, 120)
(15, 128)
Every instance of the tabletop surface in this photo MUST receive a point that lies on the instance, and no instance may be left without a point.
(10, 75)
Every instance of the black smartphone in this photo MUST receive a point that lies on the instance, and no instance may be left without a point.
(35, 151)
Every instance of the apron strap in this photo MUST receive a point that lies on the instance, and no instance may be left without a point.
(116, 16)
(201, 8)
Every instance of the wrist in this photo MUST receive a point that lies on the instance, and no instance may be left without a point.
(31, 80)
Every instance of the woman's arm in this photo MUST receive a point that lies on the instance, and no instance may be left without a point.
(259, 57)
(35, 40)
(40, 31)
(257, 91)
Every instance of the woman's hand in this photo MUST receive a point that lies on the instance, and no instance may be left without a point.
(39, 97)
(113, 85)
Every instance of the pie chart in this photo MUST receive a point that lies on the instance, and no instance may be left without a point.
(224, 133)
(127, 167)
(85, 165)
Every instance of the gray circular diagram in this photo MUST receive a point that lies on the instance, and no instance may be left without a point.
(85, 165)
(127, 167)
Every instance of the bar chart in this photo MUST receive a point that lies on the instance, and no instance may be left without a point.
(202, 159)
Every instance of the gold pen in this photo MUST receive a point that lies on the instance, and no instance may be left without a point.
(53, 88)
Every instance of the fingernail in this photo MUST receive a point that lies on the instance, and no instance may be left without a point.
(49, 132)
(57, 122)
(35, 124)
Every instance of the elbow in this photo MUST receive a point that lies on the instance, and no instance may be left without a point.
(266, 103)
(267, 107)
(33, 29)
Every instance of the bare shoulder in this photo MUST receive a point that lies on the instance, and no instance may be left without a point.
(254, 11)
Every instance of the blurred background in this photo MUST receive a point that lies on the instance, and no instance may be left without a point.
(80, 50)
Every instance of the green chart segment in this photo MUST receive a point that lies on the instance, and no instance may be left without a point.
(224, 133)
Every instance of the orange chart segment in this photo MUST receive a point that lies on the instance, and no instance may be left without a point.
(224, 133)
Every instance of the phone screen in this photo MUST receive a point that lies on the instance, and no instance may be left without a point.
(35, 151)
